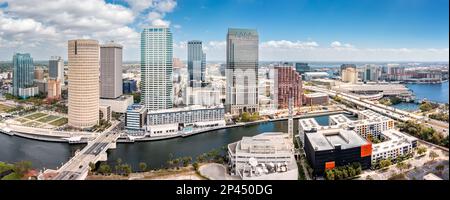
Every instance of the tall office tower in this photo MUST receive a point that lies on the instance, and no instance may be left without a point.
(110, 70)
(83, 76)
(242, 71)
(56, 69)
(196, 64)
(349, 75)
(302, 68)
(288, 84)
(156, 68)
(371, 73)
(23, 73)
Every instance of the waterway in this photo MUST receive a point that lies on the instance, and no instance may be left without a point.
(432, 92)
(154, 153)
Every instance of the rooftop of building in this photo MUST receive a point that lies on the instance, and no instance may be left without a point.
(234, 31)
(308, 123)
(269, 142)
(135, 107)
(340, 119)
(328, 139)
(394, 139)
(111, 44)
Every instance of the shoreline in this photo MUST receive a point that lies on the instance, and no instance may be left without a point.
(149, 139)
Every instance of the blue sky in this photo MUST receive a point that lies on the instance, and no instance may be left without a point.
(364, 23)
(290, 30)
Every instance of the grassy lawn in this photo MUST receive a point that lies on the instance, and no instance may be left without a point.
(12, 176)
(35, 116)
(33, 124)
(4, 108)
(48, 118)
(59, 122)
(22, 120)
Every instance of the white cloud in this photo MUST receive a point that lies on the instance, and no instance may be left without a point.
(177, 26)
(285, 44)
(43, 27)
(284, 50)
(339, 45)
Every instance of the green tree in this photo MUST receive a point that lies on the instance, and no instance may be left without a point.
(195, 165)
(329, 174)
(245, 117)
(425, 107)
(385, 163)
(401, 166)
(22, 167)
(126, 168)
(143, 166)
(104, 169)
(433, 155)
(421, 150)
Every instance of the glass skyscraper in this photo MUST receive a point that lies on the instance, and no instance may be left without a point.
(23, 72)
(196, 64)
(242, 71)
(156, 68)
(56, 69)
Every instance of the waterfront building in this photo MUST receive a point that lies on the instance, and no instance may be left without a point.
(386, 89)
(110, 70)
(184, 120)
(242, 71)
(316, 98)
(38, 73)
(56, 69)
(204, 96)
(395, 144)
(135, 118)
(119, 104)
(54, 89)
(83, 88)
(196, 64)
(156, 68)
(314, 75)
(267, 156)
(23, 76)
(301, 68)
(288, 84)
(129, 86)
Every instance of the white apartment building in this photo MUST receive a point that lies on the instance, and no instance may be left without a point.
(156, 69)
(396, 143)
(185, 119)
(369, 124)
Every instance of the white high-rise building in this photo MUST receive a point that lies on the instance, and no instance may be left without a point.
(156, 68)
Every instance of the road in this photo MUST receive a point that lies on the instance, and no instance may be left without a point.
(78, 166)
(394, 113)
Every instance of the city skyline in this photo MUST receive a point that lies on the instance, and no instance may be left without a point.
(293, 31)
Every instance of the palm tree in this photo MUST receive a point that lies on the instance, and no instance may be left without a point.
(433, 155)
(143, 166)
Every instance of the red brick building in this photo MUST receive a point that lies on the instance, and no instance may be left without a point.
(288, 83)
